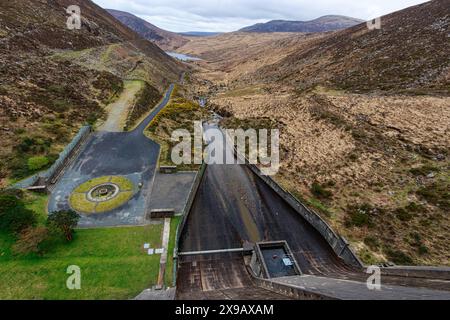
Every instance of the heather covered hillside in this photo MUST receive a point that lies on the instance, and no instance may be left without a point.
(410, 54)
(53, 80)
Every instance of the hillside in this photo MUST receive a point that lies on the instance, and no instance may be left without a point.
(364, 123)
(409, 54)
(164, 39)
(54, 79)
(322, 24)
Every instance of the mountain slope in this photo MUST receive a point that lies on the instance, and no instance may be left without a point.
(54, 79)
(409, 53)
(165, 39)
(322, 24)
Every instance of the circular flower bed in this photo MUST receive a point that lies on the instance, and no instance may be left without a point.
(101, 194)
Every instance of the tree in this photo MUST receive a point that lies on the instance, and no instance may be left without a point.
(14, 216)
(63, 222)
(30, 240)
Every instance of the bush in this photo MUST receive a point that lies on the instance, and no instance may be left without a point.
(30, 240)
(320, 192)
(399, 257)
(360, 216)
(422, 249)
(437, 193)
(63, 222)
(403, 215)
(424, 170)
(372, 242)
(37, 163)
(14, 216)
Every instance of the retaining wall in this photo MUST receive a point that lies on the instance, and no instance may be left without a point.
(339, 244)
(47, 177)
(64, 157)
(292, 292)
(441, 273)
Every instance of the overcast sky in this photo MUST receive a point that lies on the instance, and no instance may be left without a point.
(231, 15)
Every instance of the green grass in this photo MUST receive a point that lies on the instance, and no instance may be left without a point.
(88, 185)
(37, 202)
(79, 202)
(123, 183)
(116, 202)
(113, 265)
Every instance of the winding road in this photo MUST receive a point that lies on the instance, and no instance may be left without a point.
(130, 154)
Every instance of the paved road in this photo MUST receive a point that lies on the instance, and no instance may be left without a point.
(129, 154)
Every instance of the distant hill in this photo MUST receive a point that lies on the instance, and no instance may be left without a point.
(322, 24)
(200, 34)
(165, 39)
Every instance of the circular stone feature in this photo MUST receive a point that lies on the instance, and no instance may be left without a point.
(102, 194)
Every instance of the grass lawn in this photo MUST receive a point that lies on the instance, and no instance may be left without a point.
(113, 265)
(37, 202)
(168, 278)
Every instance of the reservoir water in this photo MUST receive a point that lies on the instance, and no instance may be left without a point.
(182, 57)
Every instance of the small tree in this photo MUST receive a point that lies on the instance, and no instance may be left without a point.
(30, 240)
(14, 216)
(63, 222)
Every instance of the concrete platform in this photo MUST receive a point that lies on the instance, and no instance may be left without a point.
(171, 190)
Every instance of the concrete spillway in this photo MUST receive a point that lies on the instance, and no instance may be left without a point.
(233, 206)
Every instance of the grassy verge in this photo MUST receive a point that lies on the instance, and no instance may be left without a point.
(113, 265)
(168, 279)
(179, 113)
(37, 202)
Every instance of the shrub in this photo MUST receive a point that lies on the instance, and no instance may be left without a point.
(372, 242)
(37, 163)
(422, 249)
(63, 222)
(398, 257)
(14, 216)
(437, 193)
(30, 240)
(319, 191)
(403, 215)
(360, 216)
(424, 170)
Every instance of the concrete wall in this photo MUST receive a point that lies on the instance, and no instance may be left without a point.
(292, 292)
(52, 174)
(441, 273)
(338, 243)
(47, 177)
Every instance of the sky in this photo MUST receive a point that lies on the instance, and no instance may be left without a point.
(232, 15)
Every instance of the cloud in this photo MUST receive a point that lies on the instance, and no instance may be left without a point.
(231, 15)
